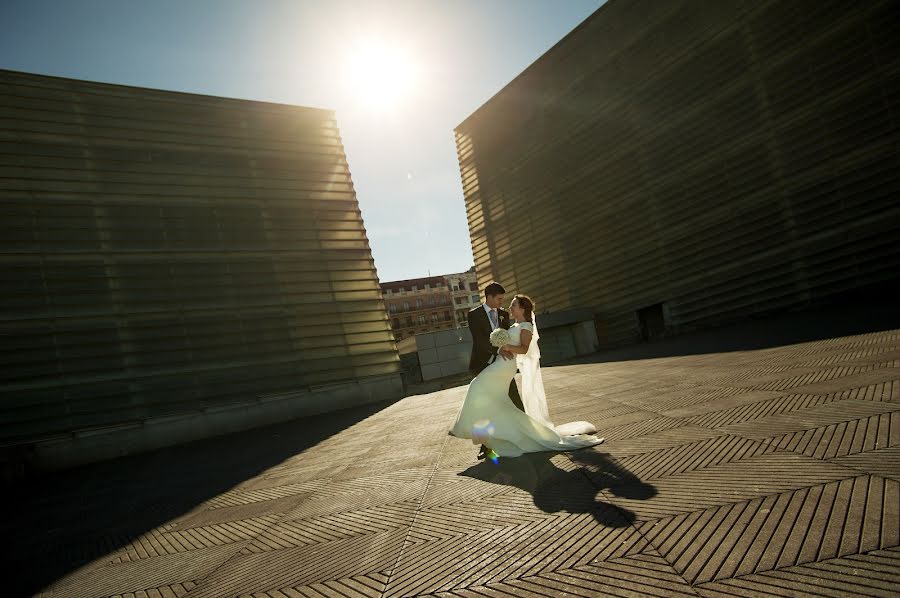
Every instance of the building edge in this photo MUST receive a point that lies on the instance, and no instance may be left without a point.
(91, 445)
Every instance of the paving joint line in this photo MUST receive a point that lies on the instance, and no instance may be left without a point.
(244, 543)
(416, 516)
(618, 510)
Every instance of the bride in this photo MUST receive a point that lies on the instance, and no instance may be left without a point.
(489, 417)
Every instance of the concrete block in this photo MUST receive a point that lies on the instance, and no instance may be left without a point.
(424, 341)
(585, 334)
(430, 372)
(453, 353)
(451, 368)
(451, 337)
(428, 356)
(557, 344)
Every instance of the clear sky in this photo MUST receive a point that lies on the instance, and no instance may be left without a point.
(445, 57)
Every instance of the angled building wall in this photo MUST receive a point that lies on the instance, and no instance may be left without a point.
(675, 165)
(168, 255)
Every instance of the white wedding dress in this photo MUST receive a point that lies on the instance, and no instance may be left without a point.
(489, 417)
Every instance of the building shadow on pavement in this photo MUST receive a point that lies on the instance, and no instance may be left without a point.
(64, 520)
(558, 486)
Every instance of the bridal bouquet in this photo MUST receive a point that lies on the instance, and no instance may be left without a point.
(499, 337)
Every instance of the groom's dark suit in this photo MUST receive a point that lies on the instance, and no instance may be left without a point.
(482, 350)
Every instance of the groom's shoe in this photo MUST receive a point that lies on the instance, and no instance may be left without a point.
(482, 454)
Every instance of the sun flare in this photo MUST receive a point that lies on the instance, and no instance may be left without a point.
(381, 75)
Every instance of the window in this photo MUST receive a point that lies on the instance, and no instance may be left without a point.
(462, 285)
(422, 320)
(414, 288)
(392, 307)
(455, 287)
(408, 321)
(419, 304)
(387, 292)
(395, 323)
(446, 315)
(473, 286)
(458, 300)
(427, 286)
(406, 306)
(431, 302)
(475, 299)
(434, 317)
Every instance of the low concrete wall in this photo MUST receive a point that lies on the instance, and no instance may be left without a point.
(567, 334)
(444, 353)
(567, 341)
(563, 335)
(103, 443)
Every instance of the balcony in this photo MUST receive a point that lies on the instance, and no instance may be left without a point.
(413, 309)
(405, 293)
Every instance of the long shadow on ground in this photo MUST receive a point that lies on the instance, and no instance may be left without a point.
(62, 521)
(555, 489)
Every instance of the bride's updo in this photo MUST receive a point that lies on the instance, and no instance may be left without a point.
(527, 305)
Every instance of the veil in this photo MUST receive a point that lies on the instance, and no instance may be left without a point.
(534, 399)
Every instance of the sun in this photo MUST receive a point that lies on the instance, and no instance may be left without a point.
(381, 75)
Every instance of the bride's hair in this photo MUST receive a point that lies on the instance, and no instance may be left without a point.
(527, 304)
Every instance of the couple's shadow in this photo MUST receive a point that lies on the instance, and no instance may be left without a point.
(568, 482)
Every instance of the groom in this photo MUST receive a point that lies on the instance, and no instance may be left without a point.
(483, 320)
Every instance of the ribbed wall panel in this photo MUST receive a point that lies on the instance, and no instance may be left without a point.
(163, 252)
(720, 159)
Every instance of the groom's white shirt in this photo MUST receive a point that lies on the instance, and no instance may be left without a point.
(489, 310)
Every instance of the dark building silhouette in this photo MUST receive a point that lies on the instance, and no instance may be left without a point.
(677, 165)
(176, 266)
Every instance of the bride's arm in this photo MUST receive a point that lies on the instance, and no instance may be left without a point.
(525, 339)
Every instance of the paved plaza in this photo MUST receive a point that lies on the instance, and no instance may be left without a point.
(758, 472)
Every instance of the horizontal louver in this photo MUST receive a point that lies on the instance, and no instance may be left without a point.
(722, 159)
(162, 253)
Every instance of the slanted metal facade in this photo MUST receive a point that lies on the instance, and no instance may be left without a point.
(674, 165)
(165, 253)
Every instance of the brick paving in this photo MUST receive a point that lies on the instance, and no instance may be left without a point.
(742, 473)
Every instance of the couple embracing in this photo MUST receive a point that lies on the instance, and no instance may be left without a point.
(494, 414)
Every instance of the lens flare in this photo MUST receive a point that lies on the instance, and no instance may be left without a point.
(482, 431)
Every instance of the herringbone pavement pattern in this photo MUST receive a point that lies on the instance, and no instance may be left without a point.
(751, 473)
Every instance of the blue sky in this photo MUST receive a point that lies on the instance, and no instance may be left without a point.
(402, 158)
